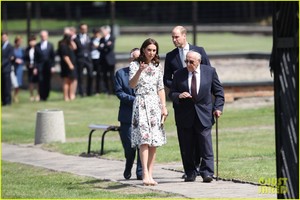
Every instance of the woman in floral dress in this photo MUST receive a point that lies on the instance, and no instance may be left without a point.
(149, 107)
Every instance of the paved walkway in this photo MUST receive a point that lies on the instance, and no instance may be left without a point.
(169, 180)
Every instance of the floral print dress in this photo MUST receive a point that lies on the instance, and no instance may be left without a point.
(146, 115)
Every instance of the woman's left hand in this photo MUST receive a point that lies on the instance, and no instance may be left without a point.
(164, 111)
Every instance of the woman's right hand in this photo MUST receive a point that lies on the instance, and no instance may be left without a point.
(142, 66)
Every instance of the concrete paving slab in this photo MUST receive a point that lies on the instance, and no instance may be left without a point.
(104, 169)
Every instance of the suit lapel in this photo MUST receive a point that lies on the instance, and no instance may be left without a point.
(203, 76)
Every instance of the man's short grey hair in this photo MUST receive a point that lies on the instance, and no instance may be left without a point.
(106, 27)
(197, 54)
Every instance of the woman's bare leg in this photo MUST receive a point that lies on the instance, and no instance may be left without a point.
(151, 160)
(144, 151)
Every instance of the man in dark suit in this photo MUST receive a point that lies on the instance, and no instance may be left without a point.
(126, 96)
(84, 60)
(191, 91)
(107, 58)
(175, 60)
(7, 55)
(44, 56)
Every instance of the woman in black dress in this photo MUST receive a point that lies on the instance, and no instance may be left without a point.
(66, 49)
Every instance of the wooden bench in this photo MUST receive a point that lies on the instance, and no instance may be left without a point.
(106, 128)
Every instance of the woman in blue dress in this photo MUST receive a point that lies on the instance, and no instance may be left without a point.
(19, 54)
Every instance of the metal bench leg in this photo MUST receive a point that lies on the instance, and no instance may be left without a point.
(102, 142)
(90, 140)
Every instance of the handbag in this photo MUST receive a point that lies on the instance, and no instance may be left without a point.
(13, 78)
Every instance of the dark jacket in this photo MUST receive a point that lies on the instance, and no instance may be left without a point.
(186, 109)
(7, 58)
(173, 63)
(125, 94)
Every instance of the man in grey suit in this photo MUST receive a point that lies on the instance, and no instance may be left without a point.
(191, 92)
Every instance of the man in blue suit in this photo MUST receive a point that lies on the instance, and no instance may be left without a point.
(175, 60)
(192, 93)
(126, 96)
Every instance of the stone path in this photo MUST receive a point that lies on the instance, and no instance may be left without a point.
(169, 180)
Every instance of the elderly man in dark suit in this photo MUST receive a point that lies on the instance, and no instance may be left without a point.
(127, 96)
(175, 60)
(44, 56)
(7, 55)
(192, 92)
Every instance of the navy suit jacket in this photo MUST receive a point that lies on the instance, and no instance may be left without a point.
(125, 94)
(7, 55)
(204, 105)
(173, 63)
(44, 59)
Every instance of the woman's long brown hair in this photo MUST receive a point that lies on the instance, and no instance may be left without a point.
(142, 57)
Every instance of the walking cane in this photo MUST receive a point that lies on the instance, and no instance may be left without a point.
(217, 149)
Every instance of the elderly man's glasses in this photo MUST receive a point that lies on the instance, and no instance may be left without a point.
(189, 61)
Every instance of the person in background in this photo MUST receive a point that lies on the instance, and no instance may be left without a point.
(95, 54)
(126, 96)
(66, 48)
(107, 58)
(84, 60)
(44, 56)
(32, 72)
(149, 106)
(7, 56)
(18, 64)
(192, 91)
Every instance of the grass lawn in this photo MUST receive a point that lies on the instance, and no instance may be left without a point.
(246, 136)
(23, 181)
(212, 42)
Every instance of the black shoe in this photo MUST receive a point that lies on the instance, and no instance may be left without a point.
(207, 179)
(190, 178)
(198, 171)
(139, 177)
(183, 176)
(127, 174)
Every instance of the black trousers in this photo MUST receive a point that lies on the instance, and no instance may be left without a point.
(5, 88)
(125, 135)
(108, 76)
(44, 74)
(88, 65)
(188, 139)
(99, 75)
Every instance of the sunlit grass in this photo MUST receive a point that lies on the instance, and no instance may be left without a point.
(246, 136)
